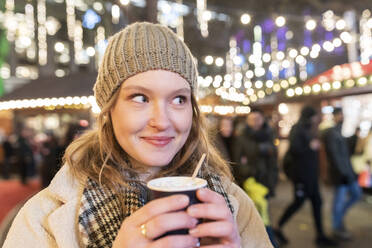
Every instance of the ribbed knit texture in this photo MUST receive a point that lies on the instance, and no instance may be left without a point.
(141, 47)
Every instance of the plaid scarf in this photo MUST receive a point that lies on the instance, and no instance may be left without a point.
(100, 213)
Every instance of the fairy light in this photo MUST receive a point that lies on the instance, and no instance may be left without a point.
(70, 18)
(336, 85)
(78, 42)
(10, 20)
(362, 81)
(66, 102)
(115, 13)
(101, 44)
(42, 32)
(365, 39)
(201, 6)
(290, 92)
(307, 89)
(206, 109)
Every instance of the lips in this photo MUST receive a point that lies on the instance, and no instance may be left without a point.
(159, 141)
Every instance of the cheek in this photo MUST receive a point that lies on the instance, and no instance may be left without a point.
(126, 123)
(183, 122)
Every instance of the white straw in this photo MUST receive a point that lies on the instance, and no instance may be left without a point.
(198, 166)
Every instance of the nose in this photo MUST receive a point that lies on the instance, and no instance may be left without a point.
(159, 116)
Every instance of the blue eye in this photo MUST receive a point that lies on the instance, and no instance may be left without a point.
(179, 100)
(139, 98)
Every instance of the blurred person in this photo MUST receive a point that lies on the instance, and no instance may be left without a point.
(24, 154)
(225, 137)
(304, 152)
(256, 156)
(74, 131)
(149, 126)
(8, 157)
(50, 159)
(347, 191)
(353, 141)
(256, 153)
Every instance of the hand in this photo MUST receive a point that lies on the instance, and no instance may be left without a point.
(158, 217)
(221, 229)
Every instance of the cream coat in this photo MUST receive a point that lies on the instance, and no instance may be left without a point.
(49, 219)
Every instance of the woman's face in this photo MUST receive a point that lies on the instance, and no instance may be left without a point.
(152, 117)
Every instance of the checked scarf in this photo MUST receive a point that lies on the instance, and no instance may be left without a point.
(100, 213)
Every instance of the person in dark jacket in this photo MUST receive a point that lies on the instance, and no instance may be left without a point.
(256, 157)
(225, 137)
(8, 154)
(24, 154)
(347, 190)
(256, 153)
(303, 148)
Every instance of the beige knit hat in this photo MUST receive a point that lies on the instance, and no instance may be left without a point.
(141, 47)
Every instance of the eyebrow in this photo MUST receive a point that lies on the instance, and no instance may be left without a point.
(141, 88)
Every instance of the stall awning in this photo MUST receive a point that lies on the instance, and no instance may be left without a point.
(79, 84)
(342, 72)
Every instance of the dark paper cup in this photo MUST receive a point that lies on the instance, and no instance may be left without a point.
(167, 186)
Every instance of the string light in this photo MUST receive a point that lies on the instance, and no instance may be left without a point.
(66, 102)
(42, 32)
(70, 18)
(201, 6)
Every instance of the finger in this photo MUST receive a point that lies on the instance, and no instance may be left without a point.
(216, 246)
(159, 206)
(163, 223)
(209, 196)
(175, 241)
(217, 229)
(210, 211)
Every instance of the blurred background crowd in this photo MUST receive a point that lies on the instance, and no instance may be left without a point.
(286, 87)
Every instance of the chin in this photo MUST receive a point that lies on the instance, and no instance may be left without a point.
(157, 161)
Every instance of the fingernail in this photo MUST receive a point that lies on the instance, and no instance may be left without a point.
(191, 210)
(193, 231)
(197, 243)
(194, 222)
(183, 199)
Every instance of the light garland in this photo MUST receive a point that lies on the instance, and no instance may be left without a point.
(30, 22)
(70, 18)
(201, 11)
(42, 32)
(10, 20)
(225, 109)
(78, 43)
(82, 102)
(365, 39)
(325, 87)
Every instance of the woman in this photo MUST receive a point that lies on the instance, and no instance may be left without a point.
(149, 126)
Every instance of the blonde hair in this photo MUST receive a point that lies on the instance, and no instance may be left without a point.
(97, 154)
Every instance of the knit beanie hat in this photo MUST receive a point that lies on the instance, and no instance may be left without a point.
(141, 47)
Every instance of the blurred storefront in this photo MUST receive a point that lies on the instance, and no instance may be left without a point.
(49, 104)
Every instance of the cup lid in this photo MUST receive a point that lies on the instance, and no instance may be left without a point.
(176, 184)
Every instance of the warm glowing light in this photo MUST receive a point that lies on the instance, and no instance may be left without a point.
(219, 61)
(310, 24)
(326, 86)
(336, 85)
(304, 51)
(299, 91)
(245, 19)
(208, 60)
(284, 84)
(307, 89)
(280, 21)
(316, 88)
(290, 92)
(276, 87)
